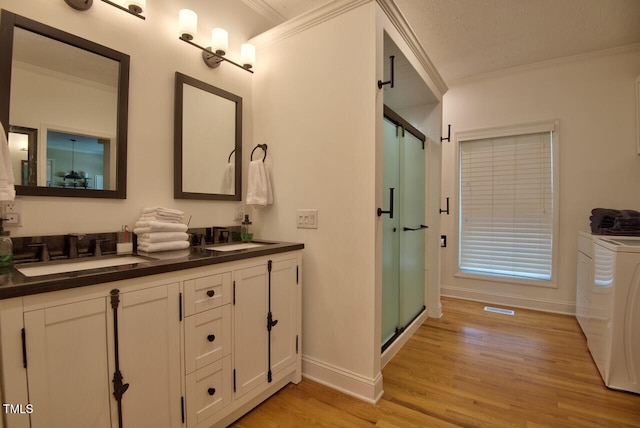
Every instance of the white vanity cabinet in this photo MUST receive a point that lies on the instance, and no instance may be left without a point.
(193, 345)
(265, 290)
(70, 353)
(207, 345)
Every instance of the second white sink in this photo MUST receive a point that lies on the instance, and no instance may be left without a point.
(234, 247)
(65, 267)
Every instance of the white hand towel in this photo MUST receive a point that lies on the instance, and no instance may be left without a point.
(163, 246)
(152, 210)
(229, 180)
(7, 189)
(259, 185)
(158, 226)
(163, 237)
(160, 217)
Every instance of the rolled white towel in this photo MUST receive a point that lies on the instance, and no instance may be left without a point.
(169, 254)
(158, 226)
(163, 246)
(152, 210)
(163, 237)
(160, 217)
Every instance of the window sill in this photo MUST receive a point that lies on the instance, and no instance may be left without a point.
(506, 280)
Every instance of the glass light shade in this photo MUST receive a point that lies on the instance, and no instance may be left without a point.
(136, 6)
(219, 41)
(187, 24)
(248, 54)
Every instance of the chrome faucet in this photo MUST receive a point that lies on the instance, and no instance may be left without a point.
(72, 244)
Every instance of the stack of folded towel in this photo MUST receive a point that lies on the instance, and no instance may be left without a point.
(161, 229)
(615, 222)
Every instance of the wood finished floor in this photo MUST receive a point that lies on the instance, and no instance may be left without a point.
(471, 368)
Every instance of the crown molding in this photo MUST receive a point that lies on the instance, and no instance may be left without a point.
(399, 21)
(307, 20)
(266, 11)
(337, 7)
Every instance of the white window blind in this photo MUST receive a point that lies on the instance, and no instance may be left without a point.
(506, 206)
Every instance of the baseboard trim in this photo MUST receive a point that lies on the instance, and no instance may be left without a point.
(400, 341)
(536, 304)
(353, 384)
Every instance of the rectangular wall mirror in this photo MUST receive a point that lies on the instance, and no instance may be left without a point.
(208, 141)
(65, 108)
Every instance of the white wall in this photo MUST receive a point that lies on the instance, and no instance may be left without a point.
(593, 97)
(315, 106)
(156, 54)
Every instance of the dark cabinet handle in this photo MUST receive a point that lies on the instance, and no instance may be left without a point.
(390, 211)
(211, 293)
(211, 391)
(422, 226)
(211, 337)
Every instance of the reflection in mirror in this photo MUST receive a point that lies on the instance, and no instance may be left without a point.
(23, 150)
(65, 88)
(208, 141)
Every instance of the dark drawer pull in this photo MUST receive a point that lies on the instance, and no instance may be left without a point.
(211, 391)
(211, 337)
(211, 293)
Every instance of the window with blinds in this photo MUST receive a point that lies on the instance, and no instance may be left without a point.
(507, 206)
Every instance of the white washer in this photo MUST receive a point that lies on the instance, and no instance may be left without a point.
(614, 312)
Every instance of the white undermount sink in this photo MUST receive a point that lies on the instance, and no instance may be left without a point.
(235, 247)
(49, 268)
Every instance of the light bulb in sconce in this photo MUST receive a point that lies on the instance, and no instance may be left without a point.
(219, 41)
(248, 55)
(136, 6)
(187, 24)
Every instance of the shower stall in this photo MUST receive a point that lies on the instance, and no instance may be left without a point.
(403, 226)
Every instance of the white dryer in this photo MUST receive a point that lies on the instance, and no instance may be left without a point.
(614, 312)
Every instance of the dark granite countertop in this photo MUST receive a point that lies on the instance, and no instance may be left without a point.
(14, 284)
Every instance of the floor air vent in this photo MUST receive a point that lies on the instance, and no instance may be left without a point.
(499, 310)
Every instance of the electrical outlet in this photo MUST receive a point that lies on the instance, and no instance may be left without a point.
(12, 219)
(10, 207)
(307, 219)
(11, 213)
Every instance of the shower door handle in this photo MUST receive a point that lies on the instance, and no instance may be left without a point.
(422, 226)
(390, 210)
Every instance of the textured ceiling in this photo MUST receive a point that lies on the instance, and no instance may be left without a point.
(465, 38)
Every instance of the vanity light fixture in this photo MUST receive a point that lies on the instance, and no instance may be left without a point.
(213, 55)
(134, 7)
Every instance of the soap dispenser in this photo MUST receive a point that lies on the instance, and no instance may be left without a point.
(6, 247)
(245, 230)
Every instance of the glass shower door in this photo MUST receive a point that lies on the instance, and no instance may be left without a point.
(390, 234)
(412, 225)
(403, 236)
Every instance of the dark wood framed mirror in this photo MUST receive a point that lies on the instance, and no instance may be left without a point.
(207, 141)
(74, 93)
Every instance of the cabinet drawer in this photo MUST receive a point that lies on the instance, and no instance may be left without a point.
(208, 292)
(208, 390)
(207, 337)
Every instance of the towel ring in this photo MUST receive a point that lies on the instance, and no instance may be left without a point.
(231, 154)
(263, 147)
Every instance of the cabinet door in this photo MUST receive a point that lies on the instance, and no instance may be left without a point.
(250, 328)
(68, 368)
(149, 345)
(284, 310)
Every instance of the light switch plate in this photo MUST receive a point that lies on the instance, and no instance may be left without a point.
(307, 218)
